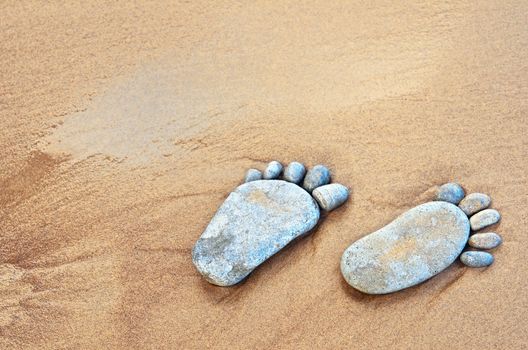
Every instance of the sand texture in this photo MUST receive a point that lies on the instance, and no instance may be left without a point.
(124, 126)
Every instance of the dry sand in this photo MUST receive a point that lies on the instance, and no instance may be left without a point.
(123, 127)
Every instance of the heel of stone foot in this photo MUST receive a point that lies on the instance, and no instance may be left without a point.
(475, 206)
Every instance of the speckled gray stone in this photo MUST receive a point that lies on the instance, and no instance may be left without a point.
(476, 259)
(319, 175)
(486, 240)
(256, 220)
(450, 192)
(414, 247)
(484, 218)
(474, 202)
(253, 175)
(294, 172)
(330, 196)
(273, 170)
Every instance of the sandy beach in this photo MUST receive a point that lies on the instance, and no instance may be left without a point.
(123, 127)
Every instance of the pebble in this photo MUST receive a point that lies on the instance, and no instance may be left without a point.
(414, 247)
(253, 175)
(319, 175)
(474, 202)
(255, 221)
(294, 172)
(488, 240)
(484, 218)
(330, 196)
(450, 192)
(476, 259)
(273, 170)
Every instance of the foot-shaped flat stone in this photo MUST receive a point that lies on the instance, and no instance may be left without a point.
(422, 242)
(414, 247)
(260, 218)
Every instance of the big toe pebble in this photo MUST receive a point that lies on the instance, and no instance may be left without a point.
(474, 202)
(330, 196)
(487, 240)
(484, 218)
(476, 259)
(450, 192)
(319, 175)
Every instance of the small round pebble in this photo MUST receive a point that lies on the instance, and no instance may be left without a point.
(330, 196)
(319, 175)
(476, 259)
(484, 218)
(273, 170)
(474, 202)
(487, 240)
(253, 175)
(450, 192)
(294, 172)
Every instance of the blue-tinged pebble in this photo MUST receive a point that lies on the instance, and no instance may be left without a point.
(450, 192)
(294, 172)
(273, 170)
(476, 259)
(319, 175)
(253, 175)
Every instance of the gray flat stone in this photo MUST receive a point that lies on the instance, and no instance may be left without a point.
(330, 196)
(474, 202)
(450, 192)
(256, 220)
(414, 247)
(487, 240)
(476, 259)
(484, 218)
(319, 175)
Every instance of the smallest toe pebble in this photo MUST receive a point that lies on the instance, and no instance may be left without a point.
(273, 170)
(476, 259)
(253, 175)
(488, 240)
(330, 196)
(474, 202)
(294, 172)
(450, 192)
(319, 175)
(484, 218)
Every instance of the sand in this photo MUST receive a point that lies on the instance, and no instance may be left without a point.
(123, 127)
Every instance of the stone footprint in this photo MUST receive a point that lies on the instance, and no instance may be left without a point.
(422, 242)
(261, 216)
